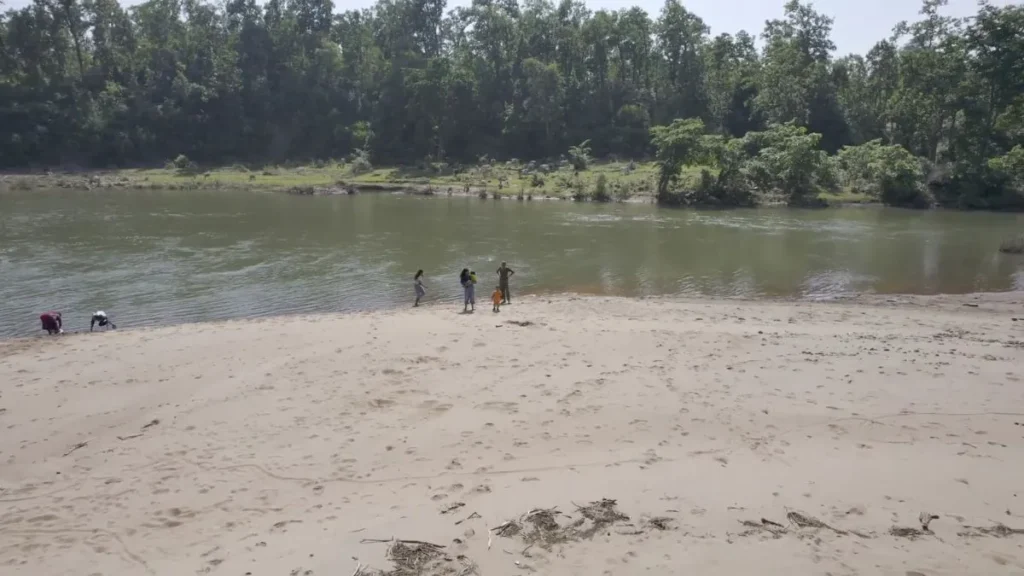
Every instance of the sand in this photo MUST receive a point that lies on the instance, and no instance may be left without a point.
(275, 447)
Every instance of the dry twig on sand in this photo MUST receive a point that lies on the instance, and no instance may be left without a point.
(996, 530)
(804, 521)
(76, 447)
(508, 529)
(452, 508)
(407, 542)
(150, 425)
(416, 558)
(470, 517)
(906, 532)
(765, 525)
(520, 323)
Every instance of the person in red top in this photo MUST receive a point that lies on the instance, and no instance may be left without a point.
(52, 323)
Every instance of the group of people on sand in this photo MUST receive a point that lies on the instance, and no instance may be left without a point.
(53, 322)
(467, 279)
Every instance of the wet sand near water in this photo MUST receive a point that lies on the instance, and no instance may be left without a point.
(564, 435)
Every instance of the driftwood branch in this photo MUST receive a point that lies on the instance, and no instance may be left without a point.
(76, 447)
(453, 507)
(470, 517)
(392, 540)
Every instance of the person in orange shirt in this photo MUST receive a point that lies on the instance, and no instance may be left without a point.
(496, 298)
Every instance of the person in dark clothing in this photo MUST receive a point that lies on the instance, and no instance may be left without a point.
(100, 317)
(468, 289)
(52, 322)
(417, 282)
(504, 273)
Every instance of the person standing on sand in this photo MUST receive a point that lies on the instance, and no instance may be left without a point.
(504, 273)
(418, 284)
(468, 290)
(52, 323)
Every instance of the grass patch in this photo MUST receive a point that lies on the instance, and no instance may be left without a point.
(509, 179)
(622, 180)
(847, 197)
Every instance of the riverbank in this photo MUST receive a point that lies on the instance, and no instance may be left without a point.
(781, 438)
(624, 181)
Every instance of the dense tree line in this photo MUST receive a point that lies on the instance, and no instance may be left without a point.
(934, 111)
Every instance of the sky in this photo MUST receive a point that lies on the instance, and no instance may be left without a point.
(858, 23)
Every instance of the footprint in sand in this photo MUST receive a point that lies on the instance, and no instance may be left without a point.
(506, 407)
(435, 406)
(381, 403)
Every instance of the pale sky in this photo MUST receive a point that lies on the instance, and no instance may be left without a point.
(858, 23)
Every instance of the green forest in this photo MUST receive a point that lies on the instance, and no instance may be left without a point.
(932, 115)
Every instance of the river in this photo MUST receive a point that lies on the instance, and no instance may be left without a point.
(152, 257)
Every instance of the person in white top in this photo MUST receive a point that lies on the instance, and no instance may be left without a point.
(100, 317)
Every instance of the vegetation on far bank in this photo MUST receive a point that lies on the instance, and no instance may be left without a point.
(622, 181)
(932, 115)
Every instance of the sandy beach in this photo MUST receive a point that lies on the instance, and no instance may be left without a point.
(872, 436)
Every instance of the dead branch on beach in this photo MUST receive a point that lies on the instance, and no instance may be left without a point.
(541, 526)
(417, 558)
(804, 521)
(406, 542)
(452, 507)
(77, 446)
(996, 530)
(470, 517)
(907, 532)
(765, 525)
(149, 425)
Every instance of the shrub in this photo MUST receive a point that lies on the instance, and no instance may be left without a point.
(579, 155)
(579, 191)
(622, 192)
(904, 190)
(537, 181)
(601, 189)
(360, 163)
(889, 173)
(181, 162)
(785, 158)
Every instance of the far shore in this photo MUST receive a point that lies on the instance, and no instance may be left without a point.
(626, 182)
(564, 435)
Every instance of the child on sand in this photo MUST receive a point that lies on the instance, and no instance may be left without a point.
(496, 298)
